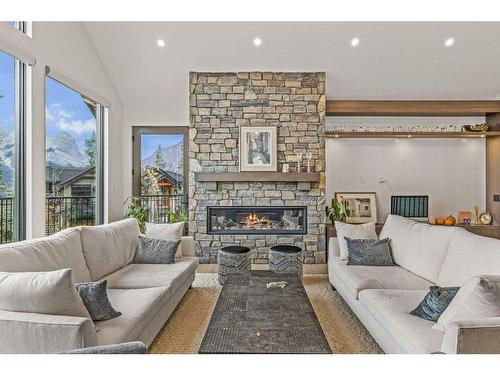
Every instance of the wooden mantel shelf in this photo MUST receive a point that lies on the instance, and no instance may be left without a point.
(369, 134)
(256, 177)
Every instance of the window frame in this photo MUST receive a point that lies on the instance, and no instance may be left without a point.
(101, 116)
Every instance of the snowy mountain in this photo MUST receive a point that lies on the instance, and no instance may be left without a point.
(63, 151)
(171, 158)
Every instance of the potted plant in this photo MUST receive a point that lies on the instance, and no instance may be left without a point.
(337, 212)
(135, 210)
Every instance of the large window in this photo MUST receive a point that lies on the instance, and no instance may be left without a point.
(12, 116)
(160, 171)
(74, 126)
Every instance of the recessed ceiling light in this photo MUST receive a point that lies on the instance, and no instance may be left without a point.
(160, 43)
(354, 42)
(257, 42)
(449, 42)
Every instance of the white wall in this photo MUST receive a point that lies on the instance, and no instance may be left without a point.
(450, 171)
(67, 49)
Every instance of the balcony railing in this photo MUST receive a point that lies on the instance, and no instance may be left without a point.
(7, 219)
(66, 212)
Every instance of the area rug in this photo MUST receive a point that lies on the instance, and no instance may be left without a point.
(183, 332)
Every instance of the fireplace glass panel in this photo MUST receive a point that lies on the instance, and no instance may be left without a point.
(257, 220)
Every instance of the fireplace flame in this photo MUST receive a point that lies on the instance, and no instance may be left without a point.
(253, 219)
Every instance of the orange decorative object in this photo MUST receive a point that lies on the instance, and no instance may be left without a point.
(440, 220)
(450, 220)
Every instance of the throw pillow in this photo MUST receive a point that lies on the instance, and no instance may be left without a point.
(478, 298)
(368, 252)
(359, 231)
(166, 232)
(95, 298)
(152, 251)
(435, 302)
(41, 292)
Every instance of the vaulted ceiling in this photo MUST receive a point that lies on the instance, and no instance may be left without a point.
(392, 60)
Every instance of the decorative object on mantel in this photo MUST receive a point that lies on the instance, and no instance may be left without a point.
(258, 148)
(475, 128)
(476, 215)
(464, 217)
(449, 221)
(359, 207)
(299, 161)
(486, 218)
(285, 168)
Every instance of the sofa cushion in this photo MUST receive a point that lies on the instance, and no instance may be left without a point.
(478, 298)
(95, 298)
(49, 292)
(355, 231)
(138, 307)
(109, 247)
(368, 252)
(418, 247)
(136, 276)
(166, 231)
(469, 255)
(391, 309)
(59, 251)
(153, 251)
(358, 278)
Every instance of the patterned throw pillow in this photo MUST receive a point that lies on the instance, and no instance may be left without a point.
(95, 298)
(363, 252)
(434, 303)
(153, 251)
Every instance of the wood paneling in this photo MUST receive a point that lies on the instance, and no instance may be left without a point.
(412, 107)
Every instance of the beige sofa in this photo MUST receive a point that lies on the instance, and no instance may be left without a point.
(426, 255)
(145, 294)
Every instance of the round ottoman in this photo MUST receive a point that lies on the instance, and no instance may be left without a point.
(233, 259)
(286, 259)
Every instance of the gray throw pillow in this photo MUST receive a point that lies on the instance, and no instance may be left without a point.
(153, 251)
(95, 298)
(362, 252)
(435, 302)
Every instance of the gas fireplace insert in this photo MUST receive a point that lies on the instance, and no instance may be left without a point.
(257, 220)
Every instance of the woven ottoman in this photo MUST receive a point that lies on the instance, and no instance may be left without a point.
(233, 259)
(286, 259)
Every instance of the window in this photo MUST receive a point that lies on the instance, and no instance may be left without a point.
(73, 157)
(160, 171)
(12, 125)
(22, 26)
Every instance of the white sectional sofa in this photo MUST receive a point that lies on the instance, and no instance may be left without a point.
(426, 255)
(145, 294)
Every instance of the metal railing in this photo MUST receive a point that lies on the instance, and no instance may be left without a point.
(66, 212)
(158, 207)
(7, 207)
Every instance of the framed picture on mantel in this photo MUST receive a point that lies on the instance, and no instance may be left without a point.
(359, 207)
(258, 149)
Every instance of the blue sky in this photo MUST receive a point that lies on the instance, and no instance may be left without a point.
(66, 111)
(150, 142)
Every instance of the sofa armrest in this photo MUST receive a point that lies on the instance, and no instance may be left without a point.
(187, 243)
(473, 337)
(42, 333)
(333, 247)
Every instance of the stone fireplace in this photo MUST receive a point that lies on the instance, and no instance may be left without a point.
(257, 214)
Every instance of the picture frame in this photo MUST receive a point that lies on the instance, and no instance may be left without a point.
(258, 149)
(360, 207)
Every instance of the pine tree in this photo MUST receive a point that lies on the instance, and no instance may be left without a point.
(90, 147)
(158, 158)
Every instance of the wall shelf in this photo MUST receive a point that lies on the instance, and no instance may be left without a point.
(256, 177)
(412, 134)
(422, 108)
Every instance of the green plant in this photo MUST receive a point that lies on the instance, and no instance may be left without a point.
(135, 210)
(337, 211)
(178, 216)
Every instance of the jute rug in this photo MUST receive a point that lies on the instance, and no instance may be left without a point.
(185, 329)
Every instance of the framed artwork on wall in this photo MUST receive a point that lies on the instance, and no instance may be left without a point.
(258, 149)
(359, 207)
